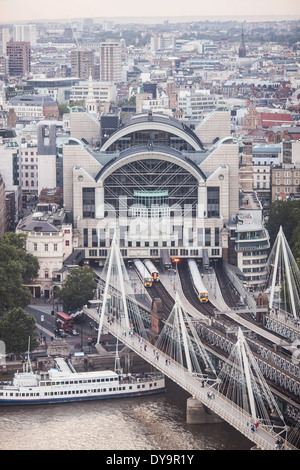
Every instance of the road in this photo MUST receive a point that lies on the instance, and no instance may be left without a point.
(46, 326)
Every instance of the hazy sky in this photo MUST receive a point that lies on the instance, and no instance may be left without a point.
(21, 10)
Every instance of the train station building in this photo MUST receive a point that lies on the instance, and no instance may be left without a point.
(159, 182)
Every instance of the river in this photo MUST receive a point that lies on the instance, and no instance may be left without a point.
(155, 422)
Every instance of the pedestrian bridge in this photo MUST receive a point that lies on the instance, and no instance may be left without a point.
(241, 397)
(264, 437)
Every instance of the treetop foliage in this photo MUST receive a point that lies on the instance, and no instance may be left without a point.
(77, 289)
(16, 328)
(16, 267)
(287, 215)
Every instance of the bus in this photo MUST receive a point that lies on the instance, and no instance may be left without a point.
(64, 321)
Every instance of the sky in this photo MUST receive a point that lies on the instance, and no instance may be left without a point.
(25, 10)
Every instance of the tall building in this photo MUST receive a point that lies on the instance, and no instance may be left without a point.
(19, 58)
(82, 64)
(4, 39)
(242, 48)
(160, 42)
(25, 32)
(3, 222)
(110, 62)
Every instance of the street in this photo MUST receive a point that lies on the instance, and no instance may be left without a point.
(46, 327)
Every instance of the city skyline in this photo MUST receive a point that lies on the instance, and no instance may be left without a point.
(33, 10)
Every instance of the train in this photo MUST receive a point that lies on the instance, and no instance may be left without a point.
(152, 269)
(143, 272)
(165, 259)
(197, 281)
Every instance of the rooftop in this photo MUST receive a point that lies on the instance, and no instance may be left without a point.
(32, 100)
(46, 221)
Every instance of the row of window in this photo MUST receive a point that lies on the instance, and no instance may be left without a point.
(286, 190)
(287, 174)
(255, 261)
(72, 382)
(32, 183)
(68, 392)
(155, 253)
(253, 270)
(46, 246)
(287, 181)
(203, 237)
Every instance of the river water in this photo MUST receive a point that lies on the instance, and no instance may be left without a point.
(156, 422)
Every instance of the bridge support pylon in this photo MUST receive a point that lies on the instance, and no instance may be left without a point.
(197, 413)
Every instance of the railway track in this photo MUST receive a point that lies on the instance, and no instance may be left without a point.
(229, 296)
(189, 291)
(222, 326)
(157, 290)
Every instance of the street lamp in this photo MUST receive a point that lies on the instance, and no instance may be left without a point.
(176, 260)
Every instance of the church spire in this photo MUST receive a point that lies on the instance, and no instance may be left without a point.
(90, 102)
(242, 48)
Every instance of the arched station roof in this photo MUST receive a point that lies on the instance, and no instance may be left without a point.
(150, 153)
(155, 122)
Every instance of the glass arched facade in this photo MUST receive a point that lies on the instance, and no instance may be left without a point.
(152, 183)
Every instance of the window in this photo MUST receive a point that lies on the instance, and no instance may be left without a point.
(94, 237)
(35, 246)
(85, 237)
(213, 202)
(46, 246)
(88, 203)
(55, 247)
(217, 236)
(199, 236)
(207, 237)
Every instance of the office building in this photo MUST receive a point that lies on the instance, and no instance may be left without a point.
(4, 39)
(110, 62)
(25, 32)
(34, 106)
(82, 63)
(19, 58)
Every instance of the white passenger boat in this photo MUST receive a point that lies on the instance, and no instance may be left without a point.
(64, 384)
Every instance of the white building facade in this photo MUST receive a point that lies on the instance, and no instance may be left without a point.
(50, 240)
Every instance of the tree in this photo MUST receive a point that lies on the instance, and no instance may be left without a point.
(16, 328)
(287, 215)
(64, 108)
(77, 289)
(16, 268)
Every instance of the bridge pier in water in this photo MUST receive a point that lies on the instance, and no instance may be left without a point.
(197, 413)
